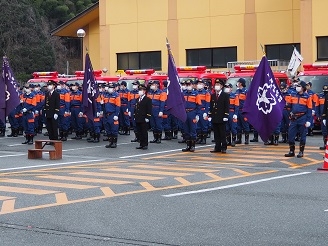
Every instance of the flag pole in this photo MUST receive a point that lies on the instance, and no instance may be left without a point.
(263, 50)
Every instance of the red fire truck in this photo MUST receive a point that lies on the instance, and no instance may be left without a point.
(317, 74)
(247, 72)
(200, 72)
(143, 76)
(98, 76)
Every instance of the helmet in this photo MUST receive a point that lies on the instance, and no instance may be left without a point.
(242, 81)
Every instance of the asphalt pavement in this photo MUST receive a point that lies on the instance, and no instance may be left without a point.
(252, 195)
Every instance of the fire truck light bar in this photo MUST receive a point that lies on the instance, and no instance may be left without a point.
(246, 67)
(191, 68)
(45, 74)
(142, 71)
(315, 66)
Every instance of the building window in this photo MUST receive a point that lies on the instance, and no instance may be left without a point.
(281, 51)
(211, 57)
(139, 60)
(322, 48)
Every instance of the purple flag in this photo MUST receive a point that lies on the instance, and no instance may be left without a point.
(175, 100)
(90, 90)
(9, 90)
(264, 103)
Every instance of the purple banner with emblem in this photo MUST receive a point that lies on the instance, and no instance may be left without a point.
(264, 103)
(9, 90)
(90, 90)
(175, 100)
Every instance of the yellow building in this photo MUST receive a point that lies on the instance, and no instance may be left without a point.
(131, 34)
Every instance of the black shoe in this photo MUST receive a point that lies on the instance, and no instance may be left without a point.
(215, 151)
(290, 154)
(142, 147)
(322, 148)
(224, 151)
(254, 140)
(134, 140)
(300, 154)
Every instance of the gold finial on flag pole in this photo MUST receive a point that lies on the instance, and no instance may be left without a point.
(263, 50)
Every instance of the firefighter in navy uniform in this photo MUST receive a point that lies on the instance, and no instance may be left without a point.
(285, 114)
(28, 107)
(124, 119)
(300, 116)
(112, 104)
(202, 127)
(134, 96)
(231, 126)
(321, 115)
(243, 125)
(193, 104)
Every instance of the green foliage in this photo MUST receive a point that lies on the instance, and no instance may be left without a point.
(25, 26)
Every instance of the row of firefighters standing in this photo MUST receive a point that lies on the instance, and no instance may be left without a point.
(116, 105)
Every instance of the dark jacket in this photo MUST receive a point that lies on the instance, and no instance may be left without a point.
(52, 104)
(143, 109)
(219, 108)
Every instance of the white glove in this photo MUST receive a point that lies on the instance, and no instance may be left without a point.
(160, 114)
(225, 119)
(204, 116)
(115, 118)
(67, 113)
(101, 112)
(313, 112)
(80, 114)
(307, 124)
(324, 122)
(209, 119)
(234, 117)
(98, 114)
(129, 113)
(197, 118)
(102, 102)
(36, 112)
(21, 101)
(24, 110)
(146, 120)
(55, 116)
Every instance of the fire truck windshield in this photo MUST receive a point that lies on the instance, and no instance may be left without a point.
(233, 81)
(187, 78)
(318, 81)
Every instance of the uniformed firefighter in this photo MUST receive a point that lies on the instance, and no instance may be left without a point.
(134, 96)
(284, 125)
(98, 117)
(179, 122)
(112, 104)
(315, 104)
(231, 126)
(76, 111)
(300, 116)
(40, 100)
(320, 112)
(243, 125)
(64, 111)
(158, 98)
(28, 108)
(202, 125)
(193, 104)
(124, 118)
(166, 118)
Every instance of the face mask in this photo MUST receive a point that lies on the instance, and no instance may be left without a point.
(183, 87)
(50, 87)
(226, 90)
(106, 88)
(141, 93)
(28, 91)
(135, 87)
(74, 88)
(110, 90)
(298, 88)
(37, 89)
(217, 88)
(199, 87)
(189, 88)
(152, 87)
(59, 87)
(237, 85)
(121, 87)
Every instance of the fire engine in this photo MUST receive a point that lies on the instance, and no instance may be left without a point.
(143, 76)
(317, 74)
(247, 72)
(200, 72)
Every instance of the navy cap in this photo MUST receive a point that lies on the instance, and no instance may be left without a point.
(188, 82)
(112, 85)
(136, 82)
(51, 82)
(325, 88)
(242, 81)
(77, 84)
(219, 81)
(228, 85)
(283, 85)
(38, 85)
(309, 83)
(142, 87)
(32, 86)
(303, 84)
(61, 82)
(165, 83)
(124, 83)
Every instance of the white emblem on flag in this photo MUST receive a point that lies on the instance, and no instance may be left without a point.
(265, 99)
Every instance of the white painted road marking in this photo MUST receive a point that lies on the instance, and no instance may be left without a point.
(235, 185)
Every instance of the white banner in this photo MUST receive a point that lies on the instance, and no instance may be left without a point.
(295, 62)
